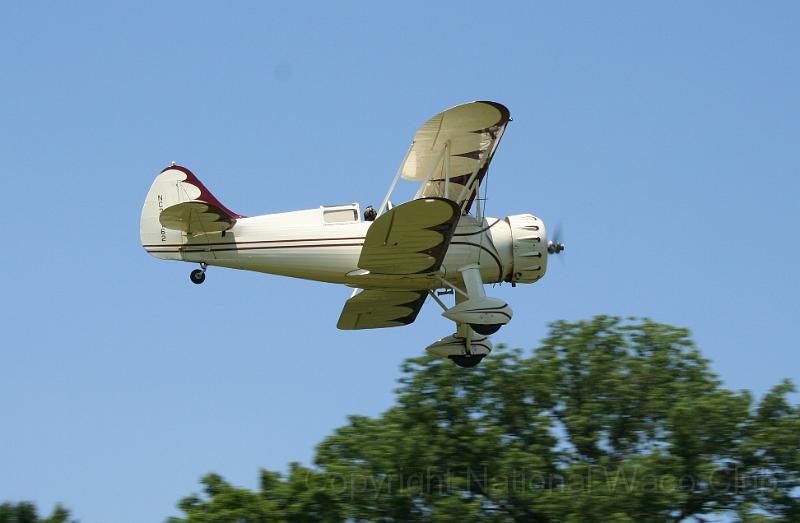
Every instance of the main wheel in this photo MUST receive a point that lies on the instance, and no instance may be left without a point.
(197, 276)
(484, 329)
(467, 360)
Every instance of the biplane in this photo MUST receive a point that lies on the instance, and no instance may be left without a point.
(435, 245)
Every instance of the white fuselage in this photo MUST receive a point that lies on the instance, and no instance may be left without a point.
(324, 244)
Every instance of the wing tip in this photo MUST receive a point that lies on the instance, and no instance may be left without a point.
(505, 113)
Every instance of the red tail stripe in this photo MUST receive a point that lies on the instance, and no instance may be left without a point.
(205, 194)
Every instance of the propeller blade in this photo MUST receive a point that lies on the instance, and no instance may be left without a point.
(555, 245)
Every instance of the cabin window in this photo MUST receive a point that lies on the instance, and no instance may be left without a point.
(340, 215)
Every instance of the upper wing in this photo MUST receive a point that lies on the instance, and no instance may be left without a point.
(411, 238)
(456, 145)
(374, 309)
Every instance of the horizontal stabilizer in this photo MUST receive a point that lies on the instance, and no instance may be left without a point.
(196, 218)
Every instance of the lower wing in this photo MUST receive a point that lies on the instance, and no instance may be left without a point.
(375, 309)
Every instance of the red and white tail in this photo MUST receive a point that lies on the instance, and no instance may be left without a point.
(177, 208)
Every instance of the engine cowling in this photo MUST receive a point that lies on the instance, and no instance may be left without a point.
(529, 248)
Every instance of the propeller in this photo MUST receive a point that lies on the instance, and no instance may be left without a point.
(555, 246)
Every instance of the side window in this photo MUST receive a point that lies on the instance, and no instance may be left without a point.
(340, 215)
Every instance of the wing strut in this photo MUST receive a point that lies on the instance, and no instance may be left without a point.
(471, 181)
(396, 179)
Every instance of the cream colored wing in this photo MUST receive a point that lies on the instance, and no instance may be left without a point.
(375, 309)
(411, 238)
(451, 152)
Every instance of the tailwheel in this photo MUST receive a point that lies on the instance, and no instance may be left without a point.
(486, 330)
(198, 276)
(466, 360)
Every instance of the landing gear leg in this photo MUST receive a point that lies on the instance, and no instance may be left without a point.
(485, 315)
(474, 285)
(198, 276)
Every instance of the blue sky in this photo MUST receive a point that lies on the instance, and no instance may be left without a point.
(664, 136)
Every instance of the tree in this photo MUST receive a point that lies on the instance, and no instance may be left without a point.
(25, 512)
(608, 420)
(299, 497)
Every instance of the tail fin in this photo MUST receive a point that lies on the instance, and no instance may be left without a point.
(178, 207)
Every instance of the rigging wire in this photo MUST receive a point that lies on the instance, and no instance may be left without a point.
(483, 212)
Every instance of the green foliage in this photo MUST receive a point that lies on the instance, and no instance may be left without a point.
(298, 498)
(25, 512)
(608, 420)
